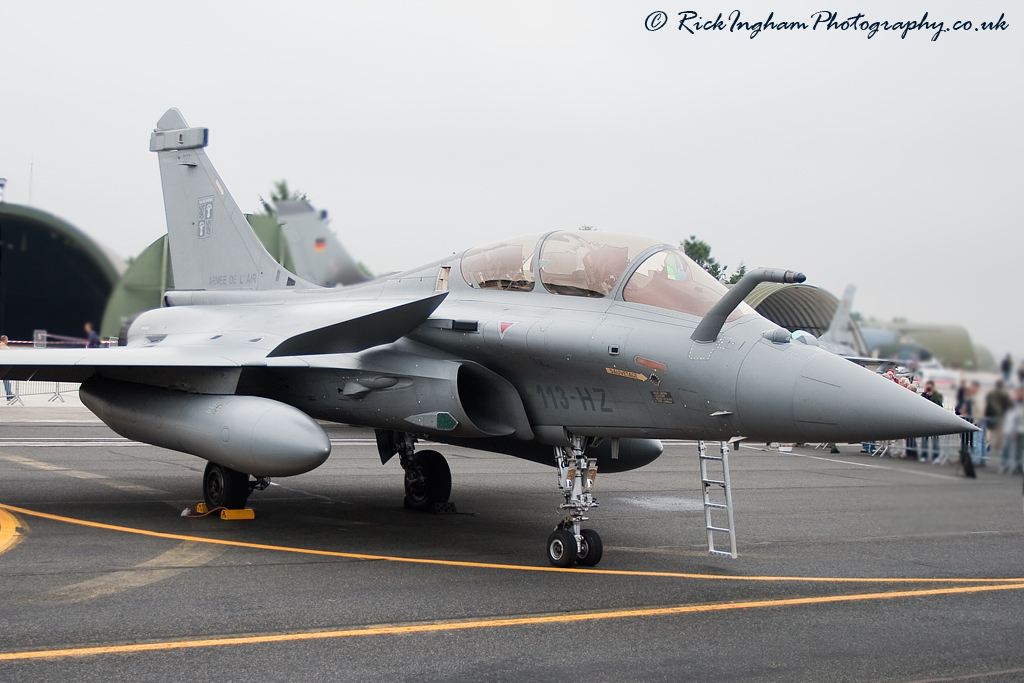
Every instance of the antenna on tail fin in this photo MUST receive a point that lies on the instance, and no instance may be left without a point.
(212, 246)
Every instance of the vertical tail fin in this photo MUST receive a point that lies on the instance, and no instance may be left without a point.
(211, 243)
(838, 330)
(315, 249)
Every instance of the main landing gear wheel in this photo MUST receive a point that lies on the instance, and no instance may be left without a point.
(225, 487)
(590, 550)
(561, 548)
(428, 480)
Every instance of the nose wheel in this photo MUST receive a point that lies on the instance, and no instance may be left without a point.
(569, 543)
(590, 548)
(564, 549)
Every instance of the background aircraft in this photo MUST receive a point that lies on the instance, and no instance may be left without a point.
(838, 338)
(297, 235)
(316, 252)
(577, 350)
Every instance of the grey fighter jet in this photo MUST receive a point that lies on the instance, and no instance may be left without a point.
(838, 338)
(314, 247)
(576, 350)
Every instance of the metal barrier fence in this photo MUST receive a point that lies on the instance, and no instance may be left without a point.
(936, 449)
(941, 449)
(16, 389)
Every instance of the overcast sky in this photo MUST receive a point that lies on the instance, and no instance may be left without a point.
(425, 128)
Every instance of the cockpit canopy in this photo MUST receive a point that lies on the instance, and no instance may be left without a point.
(506, 265)
(592, 264)
(670, 279)
(587, 264)
(573, 264)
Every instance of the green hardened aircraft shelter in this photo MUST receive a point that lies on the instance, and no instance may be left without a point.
(150, 275)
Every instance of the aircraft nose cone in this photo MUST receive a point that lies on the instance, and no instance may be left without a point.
(802, 393)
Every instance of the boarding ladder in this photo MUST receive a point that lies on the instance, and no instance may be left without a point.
(716, 503)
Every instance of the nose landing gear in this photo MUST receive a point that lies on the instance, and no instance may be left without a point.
(569, 543)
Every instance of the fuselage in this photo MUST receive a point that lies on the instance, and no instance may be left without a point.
(519, 359)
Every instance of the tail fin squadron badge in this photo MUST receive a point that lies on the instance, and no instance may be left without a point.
(205, 223)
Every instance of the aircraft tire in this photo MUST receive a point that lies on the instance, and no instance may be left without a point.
(591, 549)
(562, 548)
(428, 481)
(225, 487)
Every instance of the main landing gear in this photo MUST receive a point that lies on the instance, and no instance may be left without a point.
(428, 480)
(570, 544)
(224, 487)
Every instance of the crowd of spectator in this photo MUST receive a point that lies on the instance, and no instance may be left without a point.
(1002, 417)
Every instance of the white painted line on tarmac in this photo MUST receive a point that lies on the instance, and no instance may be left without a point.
(180, 558)
(100, 479)
(935, 475)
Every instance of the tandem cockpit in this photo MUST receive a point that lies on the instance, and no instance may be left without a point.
(597, 265)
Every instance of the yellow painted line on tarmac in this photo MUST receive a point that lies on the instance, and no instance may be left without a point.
(490, 565)
(9, 536)
(385, 630)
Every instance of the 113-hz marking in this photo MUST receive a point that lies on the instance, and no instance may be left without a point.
(557, 397)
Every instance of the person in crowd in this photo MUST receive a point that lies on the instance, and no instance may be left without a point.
(961, 396)
(996, 405)
(1020, 374)
(1007, 367)
(1013, 436)
(935, 397)
(92, 338)
(965, 397)
(7, 383)
(910, 445)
